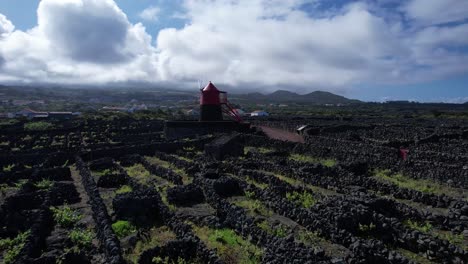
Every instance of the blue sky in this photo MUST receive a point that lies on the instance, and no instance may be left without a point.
(370, 50)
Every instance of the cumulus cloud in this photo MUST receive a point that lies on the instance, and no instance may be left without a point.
(6, 27)
(90, 31)
(150, 14)
(253, 42)
(243, 43)
(79, 41)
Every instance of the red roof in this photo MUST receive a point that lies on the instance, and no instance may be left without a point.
(210, 88)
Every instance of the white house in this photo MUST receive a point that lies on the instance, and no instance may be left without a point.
(259, 113)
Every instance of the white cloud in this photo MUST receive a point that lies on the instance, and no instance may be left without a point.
(266, 44)
(151, 13)
(243, 42)
(6, 27)
(79, 41)
(90, 31)
(446, 36)
(430, 12)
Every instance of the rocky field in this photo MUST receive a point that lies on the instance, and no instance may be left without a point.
(118, 192)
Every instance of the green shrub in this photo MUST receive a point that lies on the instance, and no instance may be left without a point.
(254, 206)
(455, 239)
(309, 237)
(20, 183)
(249, 194)
(425, 227)
(82, 238)
(189, 149)
(224, 236)
(45, 184)
(123, 228)
(304, 199)
(264, 226)
(366, 228)
(13, 247)
(38, 126)
(124, 189)
(279, 231)
(65, 216)
(8, 168)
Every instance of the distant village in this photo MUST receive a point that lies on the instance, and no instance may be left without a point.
(32, 114)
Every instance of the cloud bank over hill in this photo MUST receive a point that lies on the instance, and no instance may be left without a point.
(259, 43)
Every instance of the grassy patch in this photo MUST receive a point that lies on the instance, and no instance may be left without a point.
(185, 178)
(304, 199)
(163, 192)
(296, 182)
(256, 183)
(279, 230)
(310, 159)
(157, 237)
(82, 238)
(182, 158)
(38, 126)
(427, 228)
(12, 247)
(123, 228)
(289, 180)
(231, 247)
(259, 150)
(309, 237)
(458, 240)
(402, 181)
(254, 206)
(65, 216)
(124, 189)
(139, 173)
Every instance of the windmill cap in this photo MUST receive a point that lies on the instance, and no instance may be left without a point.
(210, 88)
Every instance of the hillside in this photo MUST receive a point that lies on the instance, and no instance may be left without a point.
(282, 96)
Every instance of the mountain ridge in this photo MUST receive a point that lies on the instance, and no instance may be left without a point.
(283, 96)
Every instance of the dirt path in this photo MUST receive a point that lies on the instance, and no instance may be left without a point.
(280, 134)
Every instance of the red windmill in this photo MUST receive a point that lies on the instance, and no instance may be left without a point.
(211, 105)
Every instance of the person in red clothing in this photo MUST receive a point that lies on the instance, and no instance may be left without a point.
(403, 153)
